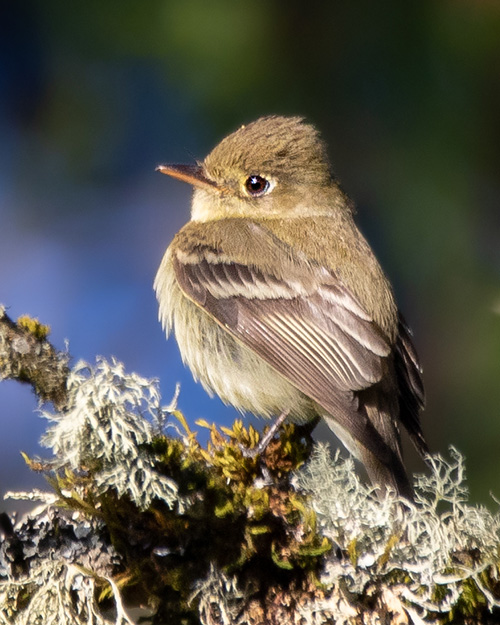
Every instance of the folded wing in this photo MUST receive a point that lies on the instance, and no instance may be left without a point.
(304, 323)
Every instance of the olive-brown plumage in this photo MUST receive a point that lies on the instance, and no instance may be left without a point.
(278, 303)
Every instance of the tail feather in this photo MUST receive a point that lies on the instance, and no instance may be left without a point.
(379, 406)
(385, 477)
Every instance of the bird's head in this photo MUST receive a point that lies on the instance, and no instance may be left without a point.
(273, 167)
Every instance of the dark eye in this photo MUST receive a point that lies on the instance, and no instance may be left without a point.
(256, 185)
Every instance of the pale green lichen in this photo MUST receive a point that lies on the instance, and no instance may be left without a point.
(59, 593)
(438, 554)
(111, 419)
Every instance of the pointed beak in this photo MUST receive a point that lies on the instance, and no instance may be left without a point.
(193, 174)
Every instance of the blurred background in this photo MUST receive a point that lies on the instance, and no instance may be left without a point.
(94, 95)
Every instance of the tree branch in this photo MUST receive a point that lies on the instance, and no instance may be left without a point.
(27, 356)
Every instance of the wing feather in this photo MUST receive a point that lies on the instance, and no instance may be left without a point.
(411, 387)
(301, 319)
(309, 328)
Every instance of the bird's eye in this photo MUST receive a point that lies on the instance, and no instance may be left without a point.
(257, 185)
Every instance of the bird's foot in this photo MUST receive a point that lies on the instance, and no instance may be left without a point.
(266, 439)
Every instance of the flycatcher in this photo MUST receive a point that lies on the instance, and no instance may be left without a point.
(278, 303)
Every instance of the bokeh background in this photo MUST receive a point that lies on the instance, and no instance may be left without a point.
(93, 95)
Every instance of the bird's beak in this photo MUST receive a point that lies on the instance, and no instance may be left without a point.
(193, 174)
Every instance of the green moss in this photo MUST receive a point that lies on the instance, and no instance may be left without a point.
(391, 543)
(239, 513)
(34, 327)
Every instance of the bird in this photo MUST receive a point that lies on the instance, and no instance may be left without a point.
(278, 303)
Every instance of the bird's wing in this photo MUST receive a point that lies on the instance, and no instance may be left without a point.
(410, 384)
(303, 322)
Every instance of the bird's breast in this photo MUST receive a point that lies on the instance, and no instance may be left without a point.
(223, 365)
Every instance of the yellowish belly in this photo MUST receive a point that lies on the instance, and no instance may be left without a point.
(228, 368)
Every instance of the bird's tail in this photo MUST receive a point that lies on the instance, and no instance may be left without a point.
(385, 469)
(387, 475)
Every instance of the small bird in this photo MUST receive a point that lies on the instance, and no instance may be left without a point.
(278, 303)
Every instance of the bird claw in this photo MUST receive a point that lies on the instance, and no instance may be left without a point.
(266, 439)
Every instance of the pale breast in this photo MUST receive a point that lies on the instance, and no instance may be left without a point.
(223, 365)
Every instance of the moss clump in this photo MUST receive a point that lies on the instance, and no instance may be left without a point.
(39, 330)
(233, 510)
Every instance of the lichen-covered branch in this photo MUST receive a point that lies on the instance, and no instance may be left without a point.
(52, 565)
(142, 514)
(27, 356)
